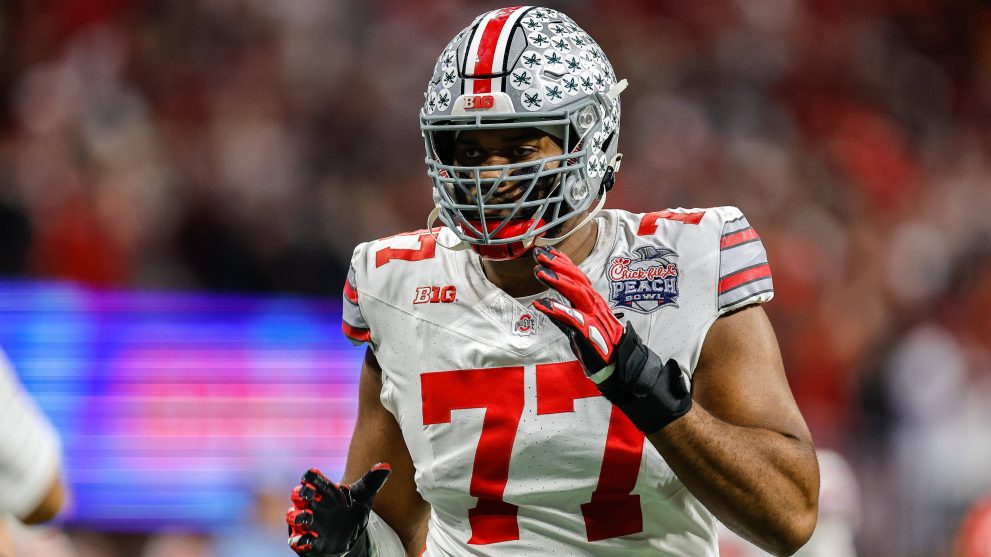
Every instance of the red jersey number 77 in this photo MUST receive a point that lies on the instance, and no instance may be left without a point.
(613, 509)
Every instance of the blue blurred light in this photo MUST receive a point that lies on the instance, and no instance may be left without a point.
(174, 408)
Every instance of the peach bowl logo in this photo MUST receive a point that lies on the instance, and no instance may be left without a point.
(645, 282)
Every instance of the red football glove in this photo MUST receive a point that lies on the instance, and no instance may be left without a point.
(627, 373)
(328, 519)
(589, 324)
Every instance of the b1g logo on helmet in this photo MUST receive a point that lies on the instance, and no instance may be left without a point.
(478, 102)
(646, 282)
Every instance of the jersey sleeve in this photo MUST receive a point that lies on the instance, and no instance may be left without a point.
(353, 322)
(744, 273)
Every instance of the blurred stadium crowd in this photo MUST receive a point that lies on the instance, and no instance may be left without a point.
(247, 145)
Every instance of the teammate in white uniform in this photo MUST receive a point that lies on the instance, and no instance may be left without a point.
(534, 400)
(30, 479)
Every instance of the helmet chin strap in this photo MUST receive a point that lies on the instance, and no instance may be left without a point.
(431, 219)
(614, 163)
(551, 241)
(617, 88)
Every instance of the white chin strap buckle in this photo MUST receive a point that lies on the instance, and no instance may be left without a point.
(431, 219)
(591, 214)
(617, 88)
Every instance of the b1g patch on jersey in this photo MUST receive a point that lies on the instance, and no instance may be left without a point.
(645, 282)
(435, 295)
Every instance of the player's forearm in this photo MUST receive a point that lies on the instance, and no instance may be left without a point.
(761, 483)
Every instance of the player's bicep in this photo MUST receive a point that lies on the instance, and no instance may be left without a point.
(377, 438)
(740, 376)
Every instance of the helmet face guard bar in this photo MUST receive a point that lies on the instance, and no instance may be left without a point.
(548, 192)
(536, 192)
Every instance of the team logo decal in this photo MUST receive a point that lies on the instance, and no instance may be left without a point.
(477, 102)
(646, 282)
(525, 325)
(435, 294)
(521, 79)
(531, 60)
(533, 99)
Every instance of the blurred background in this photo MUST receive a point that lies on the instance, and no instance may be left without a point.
(182, 183)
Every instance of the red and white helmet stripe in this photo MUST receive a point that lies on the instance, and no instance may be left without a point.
(487, 51)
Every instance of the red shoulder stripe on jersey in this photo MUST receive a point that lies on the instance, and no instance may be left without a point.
(487, 47)
(743, 276)
(356, 333)
(350, 293)
(648, 224)
(734, 239)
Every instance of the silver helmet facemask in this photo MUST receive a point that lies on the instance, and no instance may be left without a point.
(534, 89)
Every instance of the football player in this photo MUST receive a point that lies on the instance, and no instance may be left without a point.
(31, 483)
(545, 377)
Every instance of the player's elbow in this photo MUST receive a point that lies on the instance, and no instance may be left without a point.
(794, 532)
(797, 522)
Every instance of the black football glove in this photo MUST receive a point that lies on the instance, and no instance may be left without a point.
(651, 393)
(328, 519)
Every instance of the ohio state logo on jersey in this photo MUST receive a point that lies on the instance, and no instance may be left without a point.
(525, 325)
(645, 282)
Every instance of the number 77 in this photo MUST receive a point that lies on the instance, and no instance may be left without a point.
(613, 510)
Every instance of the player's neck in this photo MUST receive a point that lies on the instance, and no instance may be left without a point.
(515, 277)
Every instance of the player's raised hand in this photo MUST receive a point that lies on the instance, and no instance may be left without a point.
(651, 393)
(328, 519)
(588, 323)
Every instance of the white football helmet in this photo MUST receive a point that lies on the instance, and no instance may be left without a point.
(521, 67)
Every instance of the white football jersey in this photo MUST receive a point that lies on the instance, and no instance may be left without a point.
(515, 450)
